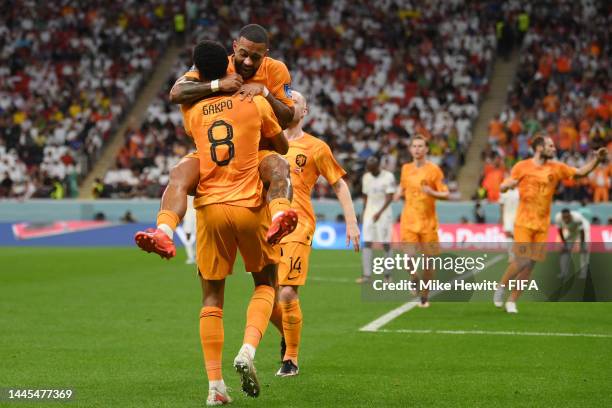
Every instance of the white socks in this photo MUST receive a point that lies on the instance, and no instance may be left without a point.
(219, 385)
(248, 349)
(166, 229)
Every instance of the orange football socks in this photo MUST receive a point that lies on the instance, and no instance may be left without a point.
(212, 336)
(277, 205)
(167, 221)
(292, 327)
(258, 314)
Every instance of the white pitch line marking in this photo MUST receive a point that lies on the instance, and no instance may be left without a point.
(495, 333)
(375, 325)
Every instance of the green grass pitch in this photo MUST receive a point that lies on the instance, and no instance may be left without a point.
(120, 327)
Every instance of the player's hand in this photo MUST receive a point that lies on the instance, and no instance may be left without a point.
(230, 83)
(426, 189)
(376, 216)
(248, 91)
(509, 184)
(602, 154)
(352, 234)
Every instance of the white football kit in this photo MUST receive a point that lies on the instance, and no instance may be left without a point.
(376, 189)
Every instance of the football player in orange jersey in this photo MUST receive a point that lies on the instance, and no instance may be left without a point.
(231, 216)
(251, 72)
(537, 179)
(421, 184)
(309, 158)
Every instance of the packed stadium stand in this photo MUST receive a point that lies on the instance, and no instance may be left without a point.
(562, 90)
(374, 73)
(68, 72)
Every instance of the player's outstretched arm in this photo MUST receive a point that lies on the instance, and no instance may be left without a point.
(352, 229)
(188, 90)
(600, 155)
(440, 195)
(508, 184)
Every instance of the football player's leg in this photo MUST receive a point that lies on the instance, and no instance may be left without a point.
(259, 256)
(274, 173)
(384, 233)
(214, 239)
(184, 179)
(429, 247)
(292, 273)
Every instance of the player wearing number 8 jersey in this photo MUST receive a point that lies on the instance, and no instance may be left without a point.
(231, 215)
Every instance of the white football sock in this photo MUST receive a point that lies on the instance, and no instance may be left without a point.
(249, 349)
(219, 385)
(166, 229)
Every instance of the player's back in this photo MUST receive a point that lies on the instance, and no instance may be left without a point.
(227, 132)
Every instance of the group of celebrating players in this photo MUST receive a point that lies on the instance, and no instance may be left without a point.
(252, 177)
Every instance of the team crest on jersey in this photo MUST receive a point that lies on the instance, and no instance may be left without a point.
(300, 160)
(287, 88)
(550, 178)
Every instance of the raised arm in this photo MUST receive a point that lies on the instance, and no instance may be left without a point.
(352, 229)
(600, 155)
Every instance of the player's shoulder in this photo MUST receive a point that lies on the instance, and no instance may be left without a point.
(274, 64)
(387, 174)
(433, 167)
(314, 143)
(522, 164)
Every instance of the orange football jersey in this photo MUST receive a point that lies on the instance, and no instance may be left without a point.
(272, 73)
(419, 213)
(227, 132)
(537, 185)
(308, 158)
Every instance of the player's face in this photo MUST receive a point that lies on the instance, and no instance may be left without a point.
(549, 151)
(248, 56)
(299, 104)
(567, 217)
(418, 149)
(372, 165)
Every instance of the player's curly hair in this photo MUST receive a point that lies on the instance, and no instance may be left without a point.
(210, 58)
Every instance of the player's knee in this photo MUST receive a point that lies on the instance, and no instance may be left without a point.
(185, 175)
(274, 167)
(288, 293)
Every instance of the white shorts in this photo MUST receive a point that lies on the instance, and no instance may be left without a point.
(379, 231)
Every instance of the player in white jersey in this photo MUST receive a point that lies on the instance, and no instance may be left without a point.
(573, 229)
(186, 231)
(508, 203)
(378, 187)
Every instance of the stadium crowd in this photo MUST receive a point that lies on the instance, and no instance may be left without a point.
(374, 74)
(68, 71)
(562, 89)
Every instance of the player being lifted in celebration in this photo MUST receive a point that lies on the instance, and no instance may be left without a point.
(231, 216)
(251, 72)
(573, 229)
(309, 158)
(537, 179)
(421, 184)
(378, 187)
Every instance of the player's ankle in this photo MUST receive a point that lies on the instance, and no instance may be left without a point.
(249, 349)
(219, 385)
(166, 229)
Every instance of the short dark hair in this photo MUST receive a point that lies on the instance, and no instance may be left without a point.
(565, 211)
(210, 58)
(537, 141)
(255, 33)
